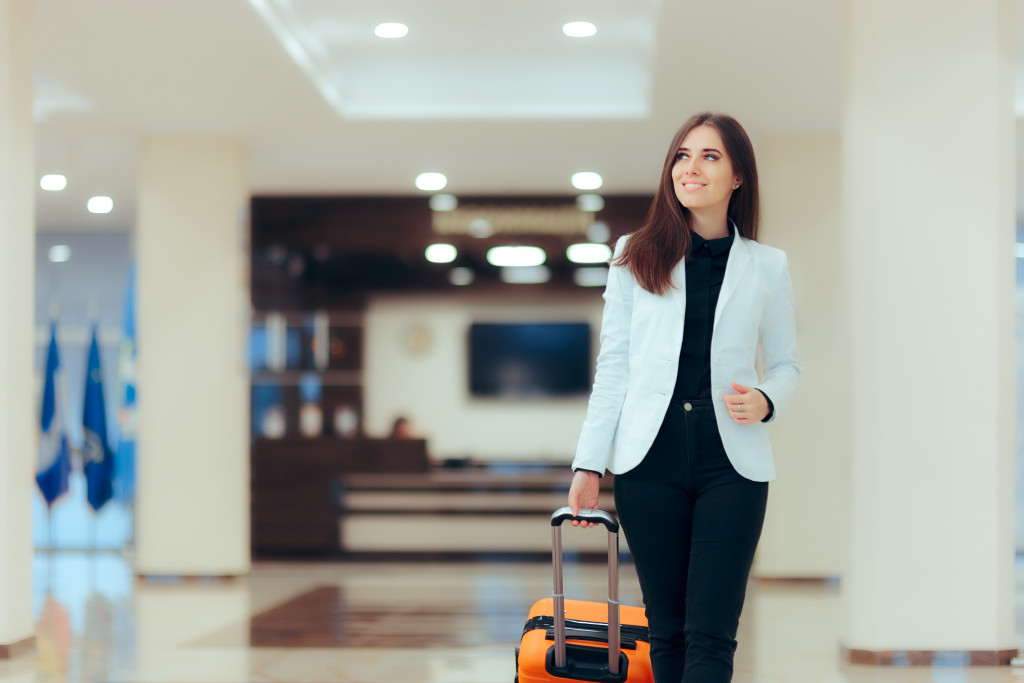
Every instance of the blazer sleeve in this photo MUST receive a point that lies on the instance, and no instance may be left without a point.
(778, 344)
(612, 373)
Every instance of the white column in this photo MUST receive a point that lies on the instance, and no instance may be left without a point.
(928, 145)
(18, 421)
(808, 505)
(192, 509)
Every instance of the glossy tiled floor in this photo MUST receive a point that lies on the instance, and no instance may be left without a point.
(377, 623)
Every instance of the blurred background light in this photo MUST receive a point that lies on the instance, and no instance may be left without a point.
(100, 204)
(588, 253)
(590, 277)
(53, 182)
(590, 202)
(441, 253)
(525, 275)
(516, 256)
(444, 202)
(587, 180)
(480, 227)
(431, 182)
(579, 29)
(461, 276)
(599, 232)
(391, 30)
(59, 253)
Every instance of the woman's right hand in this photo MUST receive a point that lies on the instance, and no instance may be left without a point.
(583, 494)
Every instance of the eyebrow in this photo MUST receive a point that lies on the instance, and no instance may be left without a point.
(706, 149)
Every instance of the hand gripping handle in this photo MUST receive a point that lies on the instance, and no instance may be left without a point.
(564, 514)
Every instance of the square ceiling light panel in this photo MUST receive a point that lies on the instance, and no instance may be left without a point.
(467, 59)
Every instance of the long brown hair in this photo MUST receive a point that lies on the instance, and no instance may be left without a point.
(665, 238)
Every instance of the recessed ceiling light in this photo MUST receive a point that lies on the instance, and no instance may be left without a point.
(53, 182)
(590, 202)
(516, 256)
(59, 253)
(441, 253)
(587, 180)
(391, 30)
(431, 182)
(100, 205)
(579, 29)
(588, 253)
(525, 275)
(461, 276)
(444, 202)
(590, 277)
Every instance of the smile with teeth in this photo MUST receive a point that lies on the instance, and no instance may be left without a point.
(693, 186)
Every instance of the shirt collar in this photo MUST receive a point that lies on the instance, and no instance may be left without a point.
(717, 246)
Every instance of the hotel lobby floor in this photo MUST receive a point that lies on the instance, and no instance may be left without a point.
(382, 623)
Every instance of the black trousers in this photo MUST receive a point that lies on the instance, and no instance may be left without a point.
(692, 524)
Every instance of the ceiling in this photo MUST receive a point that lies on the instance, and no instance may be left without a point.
(491, 94)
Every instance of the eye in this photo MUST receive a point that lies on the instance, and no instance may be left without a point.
(682, 155)
(711, 157)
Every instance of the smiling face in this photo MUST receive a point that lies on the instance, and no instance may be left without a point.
(702, 175)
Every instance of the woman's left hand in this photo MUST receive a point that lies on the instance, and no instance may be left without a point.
(747, 406)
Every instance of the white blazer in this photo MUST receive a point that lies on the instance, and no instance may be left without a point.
(641, 338)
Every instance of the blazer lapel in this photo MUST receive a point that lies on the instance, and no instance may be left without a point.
(739, 259)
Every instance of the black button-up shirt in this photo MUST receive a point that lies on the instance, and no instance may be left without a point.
(705, 271)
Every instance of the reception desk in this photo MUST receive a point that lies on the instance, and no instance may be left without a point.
(295, 487)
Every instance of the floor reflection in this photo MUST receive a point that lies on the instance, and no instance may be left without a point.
(378, 623)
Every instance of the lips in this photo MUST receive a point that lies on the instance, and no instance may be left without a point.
(693, 186)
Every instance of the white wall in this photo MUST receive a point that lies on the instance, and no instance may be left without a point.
(432, 387)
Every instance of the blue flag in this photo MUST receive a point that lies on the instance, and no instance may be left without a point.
(53, 459)
(96, 455)
(128, 416)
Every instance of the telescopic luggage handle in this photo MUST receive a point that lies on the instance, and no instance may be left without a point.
(598, 517)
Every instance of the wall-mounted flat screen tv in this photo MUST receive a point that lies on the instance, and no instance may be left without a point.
(529, 360)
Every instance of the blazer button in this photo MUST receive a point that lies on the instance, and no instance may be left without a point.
(688, 407)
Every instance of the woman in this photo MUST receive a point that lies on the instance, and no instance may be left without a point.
(678, 412)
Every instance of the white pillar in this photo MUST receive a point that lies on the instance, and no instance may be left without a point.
(928, 145)
(18, 418)
(800, 198)
(192, 509)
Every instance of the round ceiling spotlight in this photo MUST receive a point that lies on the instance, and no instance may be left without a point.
(579, 29)
(590, 202)
(391, 30)
(444, 202)
(431, 182)
(587, 180)
(516, 256)
(100, 205)
(53, 182)
(441, 253)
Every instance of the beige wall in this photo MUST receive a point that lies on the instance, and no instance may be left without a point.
(19, 422)
(432, 387)
(806, 527)
(928, 249)
(192, 510)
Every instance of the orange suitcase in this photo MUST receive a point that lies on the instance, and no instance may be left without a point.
(576, 640)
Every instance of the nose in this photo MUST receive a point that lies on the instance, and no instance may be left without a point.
(689, 166)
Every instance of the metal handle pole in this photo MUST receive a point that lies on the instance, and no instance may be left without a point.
(559, 596)
(613, 603)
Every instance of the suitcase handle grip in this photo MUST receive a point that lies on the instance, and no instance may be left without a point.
(564, 514)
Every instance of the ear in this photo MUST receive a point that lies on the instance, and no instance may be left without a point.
(737, 181)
